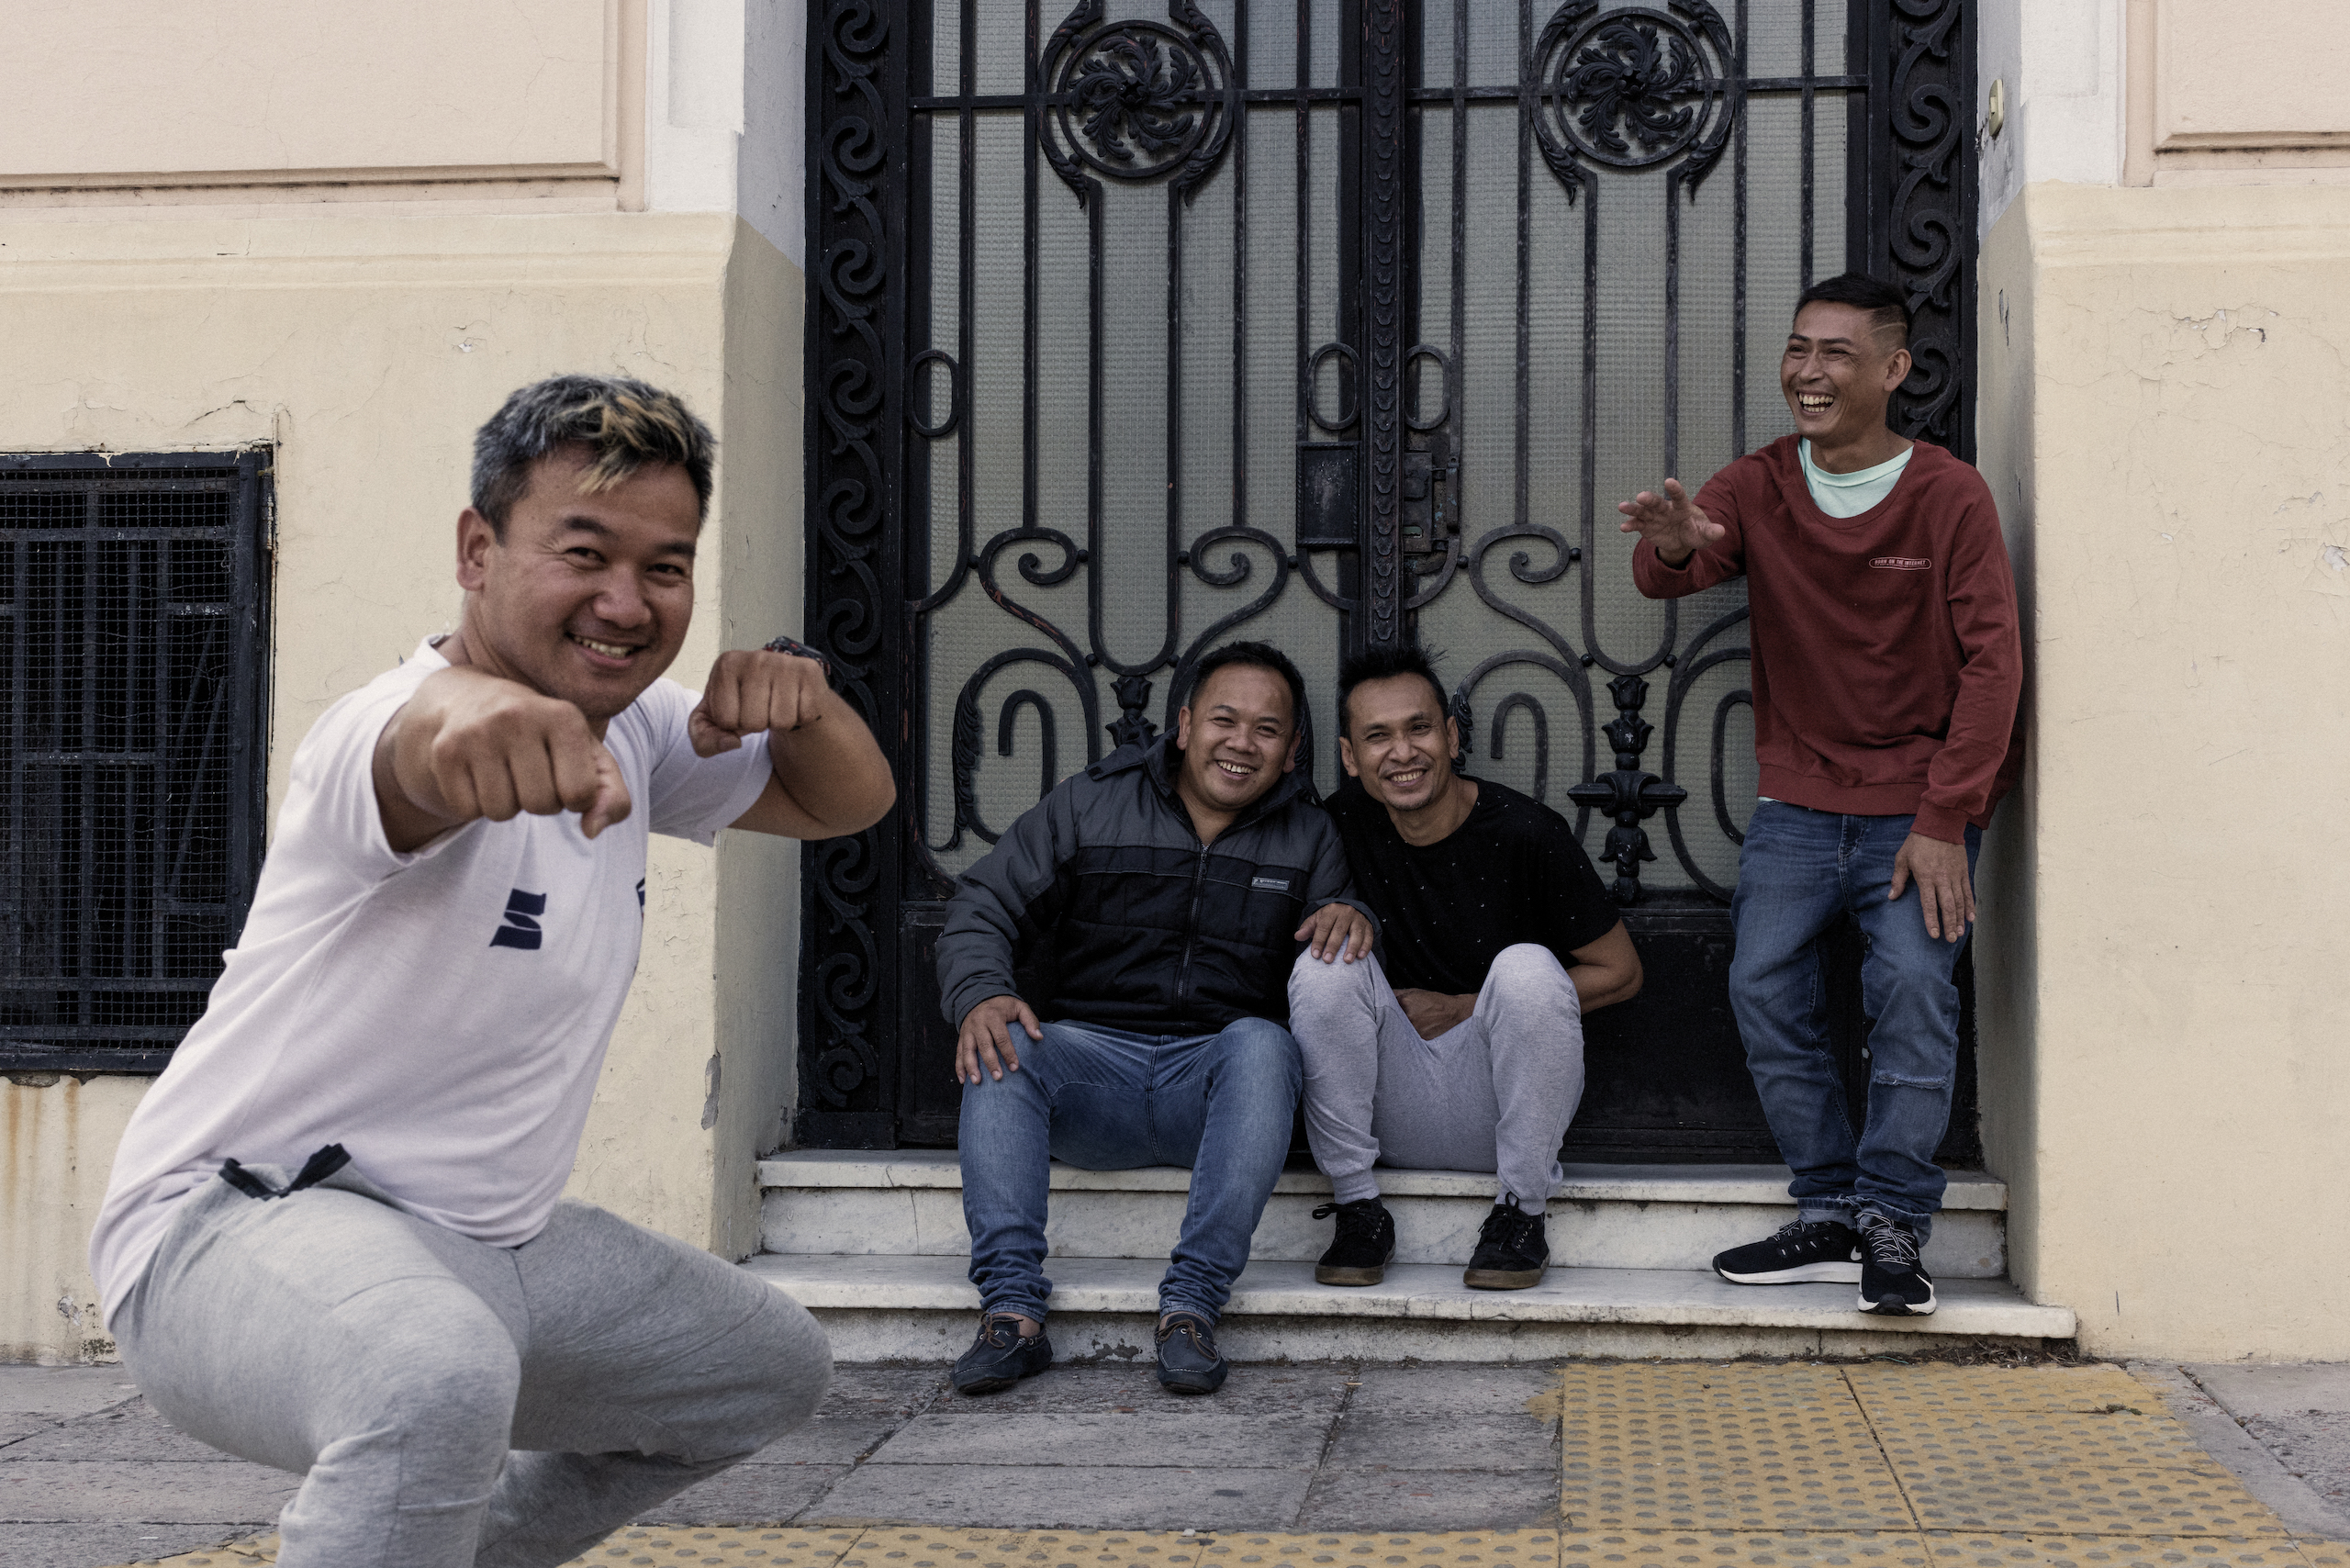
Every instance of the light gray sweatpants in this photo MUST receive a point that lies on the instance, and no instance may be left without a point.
(451, 1402)
(1494, 1093)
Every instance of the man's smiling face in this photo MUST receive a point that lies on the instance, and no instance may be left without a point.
(1838, 372)
(588, 596)
(1237, 737)
(1399, 742)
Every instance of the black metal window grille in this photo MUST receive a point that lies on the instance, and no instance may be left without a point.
(133, 608)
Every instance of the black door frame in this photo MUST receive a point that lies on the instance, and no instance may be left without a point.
(1911, 217)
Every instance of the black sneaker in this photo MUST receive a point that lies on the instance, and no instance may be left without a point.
(1000, 1357)
(1512, 1251)
(1799, 1252)
(1365, 1243)
(1188, 1359)
(1893, 1282)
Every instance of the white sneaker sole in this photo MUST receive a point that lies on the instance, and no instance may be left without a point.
(1806, 1274)
(1894, 1307)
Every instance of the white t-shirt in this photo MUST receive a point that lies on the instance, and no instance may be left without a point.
(442, 1014)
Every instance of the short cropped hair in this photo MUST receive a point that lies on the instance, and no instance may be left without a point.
(621, 424)
(1384, 663)
(1887, 306)
(1253, 655)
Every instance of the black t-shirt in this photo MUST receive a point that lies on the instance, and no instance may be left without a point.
(1511, 873)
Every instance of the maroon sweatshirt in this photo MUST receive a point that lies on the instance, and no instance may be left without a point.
(1887, 662)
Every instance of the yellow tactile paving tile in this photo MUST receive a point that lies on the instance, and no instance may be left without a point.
(1886, 1385)
(1947, 1440)
(712, 1546)
(2090, 1500)
(1742, 1548)
(2110, 1552)
(1726, 1498)
(917, 1546)
(1634, 1385)
(1263, 1549)
(1813, 1435)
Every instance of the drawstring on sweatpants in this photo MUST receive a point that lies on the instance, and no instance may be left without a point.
(315, 1170)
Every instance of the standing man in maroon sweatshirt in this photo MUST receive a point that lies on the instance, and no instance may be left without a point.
(1886, 673)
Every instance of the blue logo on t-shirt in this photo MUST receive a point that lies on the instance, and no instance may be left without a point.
(521, 927)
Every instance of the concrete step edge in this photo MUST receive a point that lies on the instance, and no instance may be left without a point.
(1432, 1293)
(1744, 1184)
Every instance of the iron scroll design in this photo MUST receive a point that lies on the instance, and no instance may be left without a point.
(853, 325)
(1136, 100)
(1926, 237)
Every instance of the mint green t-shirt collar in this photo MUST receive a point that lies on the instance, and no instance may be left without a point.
(1849, 495)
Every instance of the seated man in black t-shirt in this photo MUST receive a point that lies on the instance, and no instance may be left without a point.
(1498, 936)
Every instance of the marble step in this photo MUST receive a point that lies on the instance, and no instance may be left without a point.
(880, 1308)
(910, 1203)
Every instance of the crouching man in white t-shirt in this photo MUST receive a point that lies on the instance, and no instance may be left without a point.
(334, 1241)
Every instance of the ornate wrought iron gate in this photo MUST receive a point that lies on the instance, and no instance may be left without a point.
(1333, 322)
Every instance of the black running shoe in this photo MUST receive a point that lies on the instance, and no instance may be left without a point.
(1893, 1282)
(1799, 1252)
(1189, 1361)
(1000, 1357)
(1365, 1243)
(1512, 1251)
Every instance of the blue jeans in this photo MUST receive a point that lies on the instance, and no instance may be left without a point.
(1800, 871)
(1112, 1099)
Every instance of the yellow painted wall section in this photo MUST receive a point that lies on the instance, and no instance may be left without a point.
(762, 596)
(368, 349)
(2005, 945)
(2189, 423)
(56, 1138)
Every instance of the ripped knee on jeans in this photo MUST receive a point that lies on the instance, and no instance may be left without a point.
(1902, 1081)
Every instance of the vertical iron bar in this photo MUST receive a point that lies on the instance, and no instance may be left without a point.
(1383, 238)
(14, 719)
(1304, 219)
(1671, 188)
(1456, 375)
(1522, 475)
(1240, 273)
(1737, 247)
(1031, 114)
(1174, 428)
(83, 924)
(1809, 92)
(159, 695)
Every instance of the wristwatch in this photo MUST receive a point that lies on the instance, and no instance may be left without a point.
(798, 649)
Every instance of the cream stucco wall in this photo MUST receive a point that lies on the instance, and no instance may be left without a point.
(366, 350)
(2168, 412)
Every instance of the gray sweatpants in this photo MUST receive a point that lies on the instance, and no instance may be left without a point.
(1494, 1093)
(451, 1402)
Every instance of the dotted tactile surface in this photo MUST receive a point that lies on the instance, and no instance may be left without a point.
(1881, 1386)
(1943, 1441)
(2109, 1551)
(1738, 1549)
(2090, 1500)
(1636, 1385)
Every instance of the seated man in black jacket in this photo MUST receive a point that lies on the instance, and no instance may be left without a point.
(1167, 888)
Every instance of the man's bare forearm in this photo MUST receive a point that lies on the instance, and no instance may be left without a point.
(833, 769)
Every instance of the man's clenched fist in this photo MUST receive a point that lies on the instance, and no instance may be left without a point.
(749, 692)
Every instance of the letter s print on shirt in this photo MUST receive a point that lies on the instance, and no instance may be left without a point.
(521, 927)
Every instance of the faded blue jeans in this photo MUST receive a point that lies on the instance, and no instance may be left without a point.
(1800, 871)
(1112, 1099)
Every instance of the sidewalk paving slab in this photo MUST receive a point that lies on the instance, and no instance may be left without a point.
(1652, 1464)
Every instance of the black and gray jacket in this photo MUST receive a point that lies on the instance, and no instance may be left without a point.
(1103, 906)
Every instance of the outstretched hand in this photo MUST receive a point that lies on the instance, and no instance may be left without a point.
(1676, 525)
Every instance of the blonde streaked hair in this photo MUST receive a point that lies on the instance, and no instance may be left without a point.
(621, 424)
